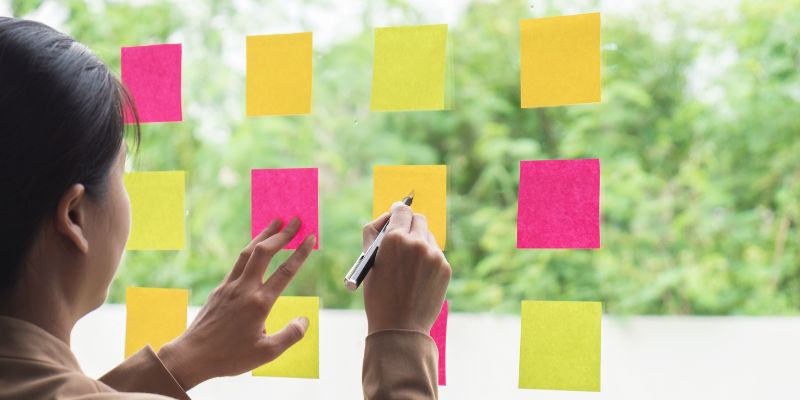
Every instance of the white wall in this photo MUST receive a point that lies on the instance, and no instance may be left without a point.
(642, 358)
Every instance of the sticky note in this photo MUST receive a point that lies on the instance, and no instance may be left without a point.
(560, 60)
(391, 183)
(439, 335)
(152, 75)
(560, 345)
(285, 193)
(559, 204)
(279, 74)
(408, 71)
(302, 359)
(153, 316)
(157, 210)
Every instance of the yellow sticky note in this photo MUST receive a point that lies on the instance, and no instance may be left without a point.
(560, 345)
(157, 210)
(560, 60)
(279, 74)
(302, 359)
(408, 71)
(429, 182)
(153, 316)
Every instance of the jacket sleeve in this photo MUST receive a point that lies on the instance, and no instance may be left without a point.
(144, 372)
(400, 364)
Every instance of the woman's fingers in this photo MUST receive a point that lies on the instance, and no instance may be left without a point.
(274, 345)
(279, 279)
(400, 219)
(244, 256)
(419, 227)
(265, 250)
(225, 338)
(371, 230)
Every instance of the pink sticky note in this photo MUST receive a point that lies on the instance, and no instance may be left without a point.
(559, 204)
(285, 193)
(152, 75)
(439, 335)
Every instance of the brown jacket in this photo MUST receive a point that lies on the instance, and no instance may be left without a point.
(36, 365)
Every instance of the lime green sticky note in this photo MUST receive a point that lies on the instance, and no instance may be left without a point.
(279, 74)
(408, 71)
(560, 345)
(153, 316)
(560, 60)
(157, 210)
(302, 359)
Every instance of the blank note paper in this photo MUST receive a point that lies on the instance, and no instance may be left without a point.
(559, 204)
(153, 316)
(439, 335)
(285, 193)
(560, 345)
(560, 60)
(408, 71)
(279, 74)
(157, 210)
(302, 359)
(152, 74)
(391, 183)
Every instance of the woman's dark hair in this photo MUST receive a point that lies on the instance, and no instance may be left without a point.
(61, 123)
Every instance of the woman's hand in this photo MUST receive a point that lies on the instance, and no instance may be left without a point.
(228, 337)
(405, 288)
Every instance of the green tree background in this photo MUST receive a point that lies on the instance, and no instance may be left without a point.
(698, 133)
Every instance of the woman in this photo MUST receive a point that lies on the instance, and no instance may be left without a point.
(65, 220)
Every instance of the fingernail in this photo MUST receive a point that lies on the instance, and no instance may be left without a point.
(295, 221)
(310, 238)
(303, 321)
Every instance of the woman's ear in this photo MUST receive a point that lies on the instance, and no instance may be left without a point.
(70, 218)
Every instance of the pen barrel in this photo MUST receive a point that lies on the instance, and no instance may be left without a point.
(369, 261)
(366, 260)
(362, 266)
(349, 282)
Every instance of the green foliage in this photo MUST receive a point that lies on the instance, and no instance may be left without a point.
(23, 7)
(698, 133)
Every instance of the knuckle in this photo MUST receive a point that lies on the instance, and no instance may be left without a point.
(284, 271)
(419, 246)
(447, 270)
(244, 255)
(226, 291)
(287, 234)
(295, 332)
(394, 237)
(269, 298)
(264, 248)
(232, 292)
(290, 228)
(436, 251)
(256, 301)
(430, 254)
(402, 208)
